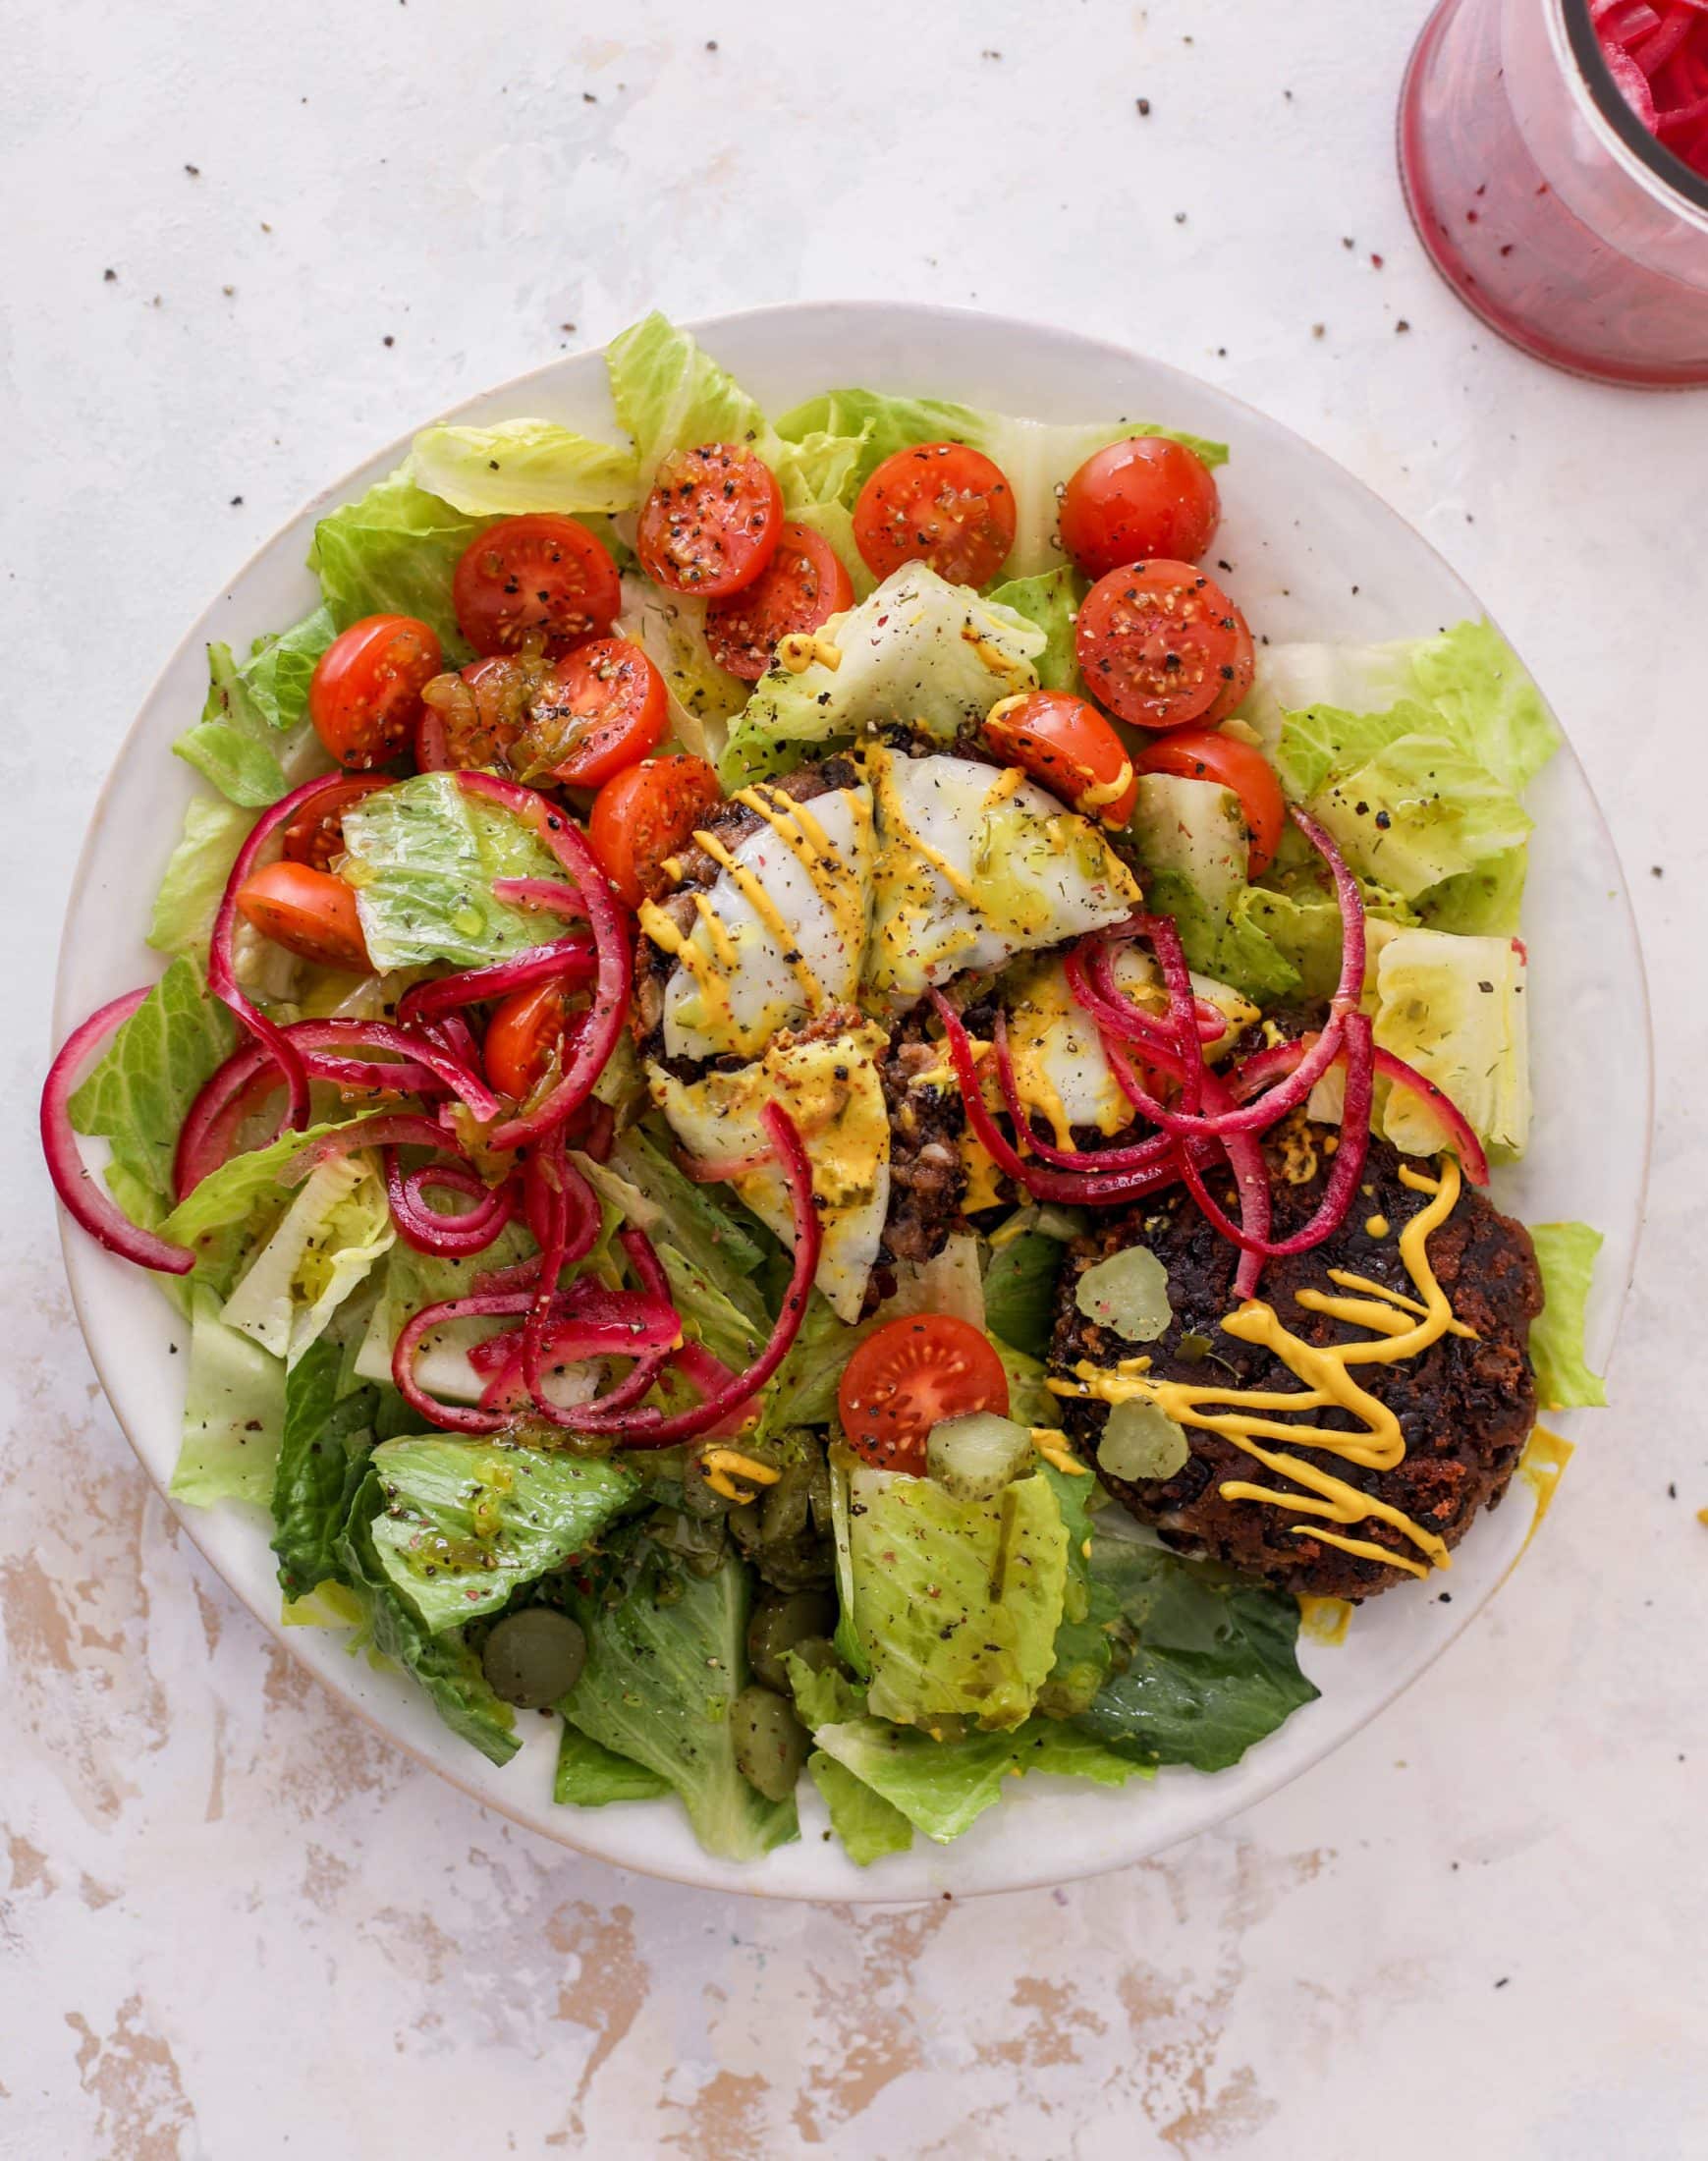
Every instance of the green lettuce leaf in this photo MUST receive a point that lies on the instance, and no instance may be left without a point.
(394, 552)
(955, 1603)
(670, 395)
(1420, 811)
(1050, 601)
(940, 1787)
(252, 740)
(322, 1459)
(337, 1226)
(275, 678)
(592, 1776)
(917, 645)
(1019, 1291)
(666, 1657)
(242, 1195)
(1212, 1665)
(444, 1664)
(234, 1411)
(138, 1094)
(1482, 903)
(1083, 1647)
(1566, 1254)
(214, 831)
(1454, 1008)
(521, 466)
(869, 1825)
(1467, 680)
(723, 1242)
(467, 1523)
(422, 857)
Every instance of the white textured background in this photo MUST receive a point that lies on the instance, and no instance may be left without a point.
(243, 245)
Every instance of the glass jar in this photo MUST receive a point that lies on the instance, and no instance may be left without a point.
(1545, 203)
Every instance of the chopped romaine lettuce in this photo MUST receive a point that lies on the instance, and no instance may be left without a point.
(444, 1664)
(251, 741)
(709, 1229)
(1019, 1291)
(955, 1603)
(519, 466)
(337, 1226)
(1083, 1647)
(467, 1523)
(234, 1413)
(1566, 1254)
(942, 1785)
(322, 1459)
(669, 628)
(394, 552)
(1421, 811)
(1212, 1664)
(189, 894)
(666, 1658)
(869, 1825)
(917, 646)
(671, 394)
(138, 1094)
(1454, 1008)
(592, 1776)
(244, 1197)
(422, 857)
(1051, 601)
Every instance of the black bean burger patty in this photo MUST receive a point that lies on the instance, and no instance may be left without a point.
(1465, 1406)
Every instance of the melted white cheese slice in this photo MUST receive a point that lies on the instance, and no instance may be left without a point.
(831, 1088)
(975, 862)
(1060, 1070)
(779, 937)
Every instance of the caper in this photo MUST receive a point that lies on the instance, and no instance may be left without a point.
(777, 1625)
(534, 1658)
(769, 1740)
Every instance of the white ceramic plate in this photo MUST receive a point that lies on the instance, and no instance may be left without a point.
(1314, 555)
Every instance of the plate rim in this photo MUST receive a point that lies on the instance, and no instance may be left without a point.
(749, 1878)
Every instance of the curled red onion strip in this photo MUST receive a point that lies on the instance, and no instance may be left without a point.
(81, 1198)
(643, 1427)
(1347, 1169)
(587, 1322)
(1264, 1065)
(222, 978)
(385, 1130)
(1074, 1188)
(1165, 943)
(1142, 1155)
(571, 958)
(426, 1228)
(547, 893)
(1095, 989)
(615, 971)
(637, 1325)
(718, 1169)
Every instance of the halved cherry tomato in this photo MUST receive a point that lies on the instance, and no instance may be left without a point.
(310, 912)
(600, 709)
(1142, 497)
(365, 695)
(317, 833)
(1237, 673)
(643, 816)
(477, 718)
(936, 503)
(711, 522)
(1161, 644)
(908, 1376)
(1068, 746)
(802, 584)
(539, 573)
(1201, 753)
(525, 1031)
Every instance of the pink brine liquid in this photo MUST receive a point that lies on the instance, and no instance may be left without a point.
(1553, 229)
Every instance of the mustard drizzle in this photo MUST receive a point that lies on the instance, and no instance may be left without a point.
(1400, 1328)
